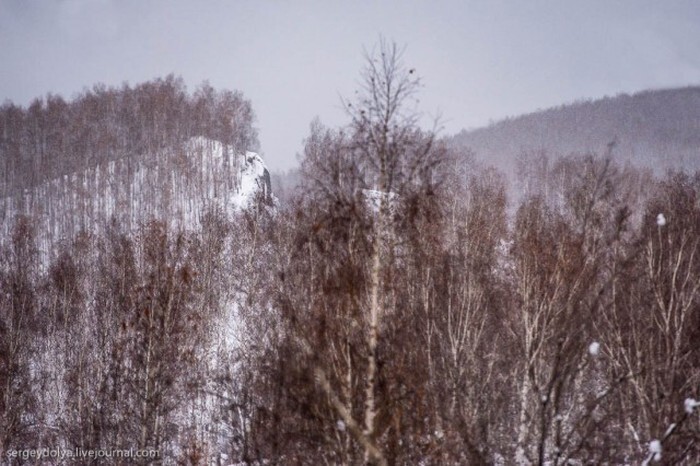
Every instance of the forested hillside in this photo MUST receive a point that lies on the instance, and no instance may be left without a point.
(54, 137)
(397, 308)
(658, 129)
(126, 156)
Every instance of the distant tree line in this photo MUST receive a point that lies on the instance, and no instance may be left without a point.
(53, 137)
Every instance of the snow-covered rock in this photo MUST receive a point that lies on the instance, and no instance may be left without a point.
(255, 183)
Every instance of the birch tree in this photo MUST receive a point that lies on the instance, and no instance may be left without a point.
(339, 295)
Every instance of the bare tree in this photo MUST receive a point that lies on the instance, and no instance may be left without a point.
(18, 335)
(339, 294)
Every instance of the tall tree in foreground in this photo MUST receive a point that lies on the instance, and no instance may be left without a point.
(339, 296)
(399, 159)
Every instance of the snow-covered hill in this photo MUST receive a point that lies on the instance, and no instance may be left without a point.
(178, 185)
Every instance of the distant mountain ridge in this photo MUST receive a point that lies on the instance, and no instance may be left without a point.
(659, 129)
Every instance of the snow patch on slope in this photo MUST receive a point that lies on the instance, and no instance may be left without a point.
(177, 184)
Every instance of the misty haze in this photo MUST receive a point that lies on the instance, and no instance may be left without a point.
(255, 233)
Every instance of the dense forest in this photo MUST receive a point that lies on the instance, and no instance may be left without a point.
(399, 308)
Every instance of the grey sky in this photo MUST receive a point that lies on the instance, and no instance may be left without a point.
(479, 60)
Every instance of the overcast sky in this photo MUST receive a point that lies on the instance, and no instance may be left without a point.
(479, 60)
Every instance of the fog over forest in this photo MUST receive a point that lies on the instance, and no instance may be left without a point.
(405, 292)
